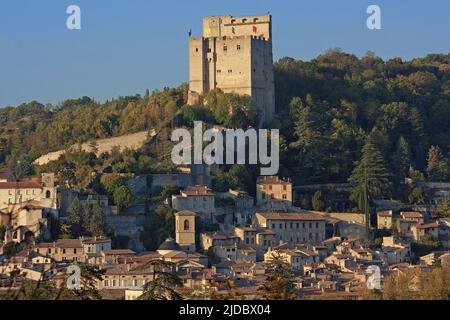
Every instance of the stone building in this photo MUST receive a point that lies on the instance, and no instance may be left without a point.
(294, 228)
(42, 191)
(234, 55)
(198, 199)
(273, 193)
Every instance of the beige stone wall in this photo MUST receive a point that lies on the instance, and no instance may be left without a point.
(223, 26)
(185, 237)
(266, 192)
(234, 55)
(12, 196)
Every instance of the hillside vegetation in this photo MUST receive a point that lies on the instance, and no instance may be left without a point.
(328, 109)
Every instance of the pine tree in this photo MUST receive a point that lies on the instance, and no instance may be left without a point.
(438, 168)
(402, 160)
(317, 201)
(369, 178)
(75, 220)
(311, 143)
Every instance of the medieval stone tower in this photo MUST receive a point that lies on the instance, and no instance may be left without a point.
(185, 230)
(234, 55)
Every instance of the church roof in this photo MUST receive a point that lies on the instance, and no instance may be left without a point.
(169, 244)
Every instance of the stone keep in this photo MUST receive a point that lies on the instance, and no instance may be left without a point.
(234, 55)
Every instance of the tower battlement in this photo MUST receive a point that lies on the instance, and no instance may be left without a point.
(229, 26)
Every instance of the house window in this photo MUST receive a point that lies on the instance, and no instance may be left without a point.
(225, 48)
(270, 187)
(196, 49)
(47, 194)
(230, 71)
(238, 47)
(284, 196)
(284, 187)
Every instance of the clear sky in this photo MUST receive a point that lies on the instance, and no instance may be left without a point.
(126, 46)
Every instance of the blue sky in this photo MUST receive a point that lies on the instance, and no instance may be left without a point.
(126, 46)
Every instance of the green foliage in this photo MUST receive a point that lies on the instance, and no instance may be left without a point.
(438, 167)
(123, 197)
(164, 283)
(110, 182)
(279, 283)
(317, 201)
(84, 220)
(41, 129)
(370, 177)
(417, 196)
(212, 257)
(159, 227)
(337, 100)
(418, 284)
(444, 208)
(232, 110)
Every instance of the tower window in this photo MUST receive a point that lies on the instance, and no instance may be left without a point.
(47, 194)
(239, 47)
(186, 225)
(230, 71)
(225, 48)
(196, 49)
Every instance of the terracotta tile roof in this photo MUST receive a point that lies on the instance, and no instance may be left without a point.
(185, 213)
(20, 185)
(411, 215)
(426, 226)
(126, 269)
(119, 252)
(69, 243)
(304, 216)
(272, 180)
(94, 241)
(197, 191)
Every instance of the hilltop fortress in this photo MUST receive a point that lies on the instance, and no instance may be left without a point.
(234, 55)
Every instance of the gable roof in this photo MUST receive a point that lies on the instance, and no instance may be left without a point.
(303, 216)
